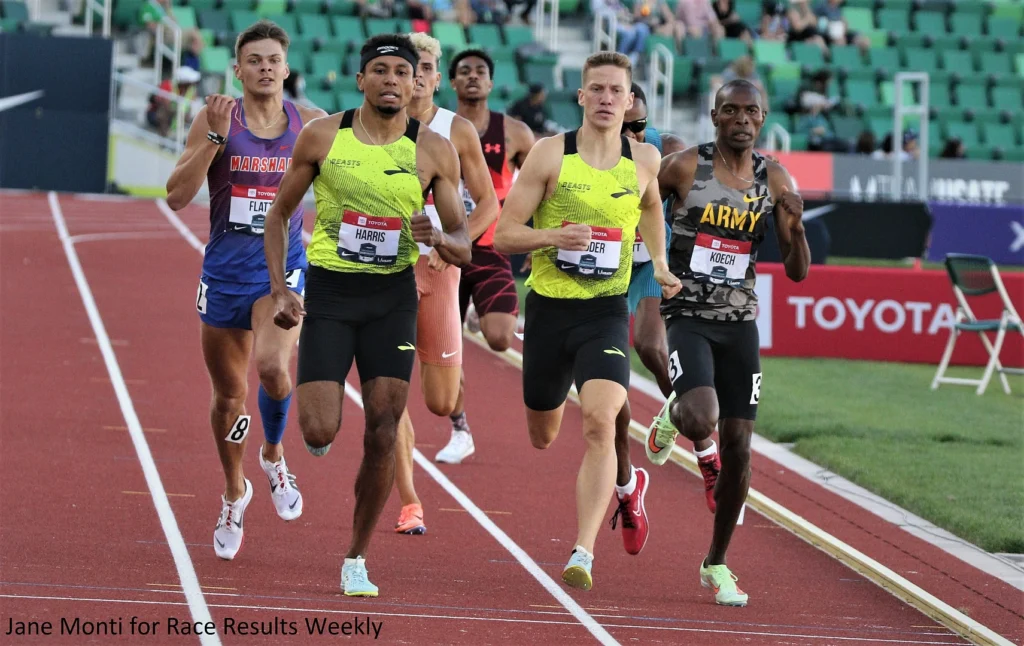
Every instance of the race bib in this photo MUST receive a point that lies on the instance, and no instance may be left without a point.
(600, 260)
(719, 260)
(249, 206)
(640, 252)
(435, 221)
(369, 239)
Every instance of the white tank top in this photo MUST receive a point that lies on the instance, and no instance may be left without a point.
(442, 125)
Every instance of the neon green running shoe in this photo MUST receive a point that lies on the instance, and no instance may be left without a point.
(661, 435)
(723, 582)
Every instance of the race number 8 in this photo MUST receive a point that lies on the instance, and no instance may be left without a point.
(201, 297)
(239, 429)
(675, 370)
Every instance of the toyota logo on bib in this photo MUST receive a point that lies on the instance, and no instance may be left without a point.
(252, 192)
(362, 221)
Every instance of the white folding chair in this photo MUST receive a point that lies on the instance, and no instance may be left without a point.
(977, 276)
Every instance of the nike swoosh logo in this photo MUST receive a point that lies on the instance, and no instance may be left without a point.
(445, 355)
(615, 351)
(407, 346)
(292, 506)
(273, 488)
(9, 102)
(652, 445)
(397, 171)
(218, 541)
(756, 198)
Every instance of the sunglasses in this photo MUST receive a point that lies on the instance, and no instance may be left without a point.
(636, 127)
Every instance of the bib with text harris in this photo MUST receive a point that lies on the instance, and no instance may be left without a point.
(369, 239)
(249, 206)
(720, 261)
(601, 258)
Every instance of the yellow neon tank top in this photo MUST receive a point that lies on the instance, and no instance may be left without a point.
(365, 199)
(606, 200)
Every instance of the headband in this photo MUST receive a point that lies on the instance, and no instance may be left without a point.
(389, 50)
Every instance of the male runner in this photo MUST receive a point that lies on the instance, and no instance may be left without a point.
(242, 150)
(645, 303)
(438, 324)
(488, 279)
(722, 191)
(370, 169)
(587, 191)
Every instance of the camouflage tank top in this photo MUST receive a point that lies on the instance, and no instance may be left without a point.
(715, 235)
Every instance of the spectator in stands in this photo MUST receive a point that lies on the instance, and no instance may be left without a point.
(729, 18)
(803, 25)
(954, 149)
(657, 15)
(741, 68)
(866, 143)
(193, 47)
(631, 37)
(531, 110)
(151, 13)
(774, 23)
(527, 12)
(444, 10)
(815, 97)
(909, 152)
(697, 19)
(489, 11)
(381, 8)
(835, 30)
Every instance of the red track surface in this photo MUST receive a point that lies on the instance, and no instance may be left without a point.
(80, 538)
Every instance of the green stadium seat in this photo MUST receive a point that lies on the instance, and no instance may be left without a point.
(894, 20)
(506, 77)
(566, 114)
(307, 6)
(285, 21)
(847, 57)
(965, 131)
(572, 78)
(215, 59)
(184, 16)
(780, 118)
(859, 19)
(1003, 28)
(539, 73)
(351, 63)
(341, 7)
(750, 12)
(1013, 154)
(298, 61)
(771, 52)
(314, 26)
(1000, 134)
(450, 34)
(1007, 98)
(971, 93)
(1019, 64)
(348, 30)
(911, 41)
(862, 92)
(486, 35)
(516, 35)
(656, 39)
(348, 99)
(847, 127)
(1013, 11)
(323, 63)
(786, 71)
(215, 21)
(980, 152)
(808, 54)
(939, 96)
(302, 46)
(700, 49)
(886, 59)
(323, 99)
(888, 91)
(966, 23)
(729, 49)
(682, 76)
(945, 41)
(237, 5)
(240, 20)
(919, 59)
(958, 61)
(784, 90)
(930, 22)
(203, 5)
(271, 8)
(996, 63)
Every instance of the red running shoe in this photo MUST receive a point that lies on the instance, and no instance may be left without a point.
(710, 466)
(634, 515)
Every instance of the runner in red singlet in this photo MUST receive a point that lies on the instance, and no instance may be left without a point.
(488, 279)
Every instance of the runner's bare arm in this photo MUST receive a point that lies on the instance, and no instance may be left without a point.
(190, 172)
(477, 176)
(676, 175)
(671, 144)
(308, 114)
(519, 141)
(512, 235)
(439, 168)
(652, 219)
(789, 226)
(309, 149)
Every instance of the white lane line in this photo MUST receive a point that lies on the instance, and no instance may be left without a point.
(182, 228)
(182, 561)
(503, 539)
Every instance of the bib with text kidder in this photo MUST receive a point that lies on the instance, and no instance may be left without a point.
(249, 206)
(720, 261)
(641, 253)
(369, 239)
(600, 260)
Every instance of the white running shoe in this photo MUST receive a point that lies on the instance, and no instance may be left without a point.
(286, 496)
(227, 537)
(458, 449)
(472, 319)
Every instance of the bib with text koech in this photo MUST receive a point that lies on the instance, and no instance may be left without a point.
(249, 206)
(720, 260)
(369, 239)
(600, 260)
(641, 253)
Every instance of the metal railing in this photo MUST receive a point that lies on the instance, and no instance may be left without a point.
(605, 39)
(179, 129)
(161, 51)
(661, 74)
(776, 134)
(901, 108)
(101, 7)
(545, 26)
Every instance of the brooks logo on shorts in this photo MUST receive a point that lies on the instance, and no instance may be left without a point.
(407, 346)
(615, 350)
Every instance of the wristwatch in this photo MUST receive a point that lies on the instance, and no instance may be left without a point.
(216, 138)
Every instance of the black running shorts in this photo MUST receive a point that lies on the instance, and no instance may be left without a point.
(572, 339)
(366, 317)
(724, 355)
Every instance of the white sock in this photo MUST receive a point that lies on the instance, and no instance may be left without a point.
(628, 488)
(579, 548)
(711, 450)
(349, 561)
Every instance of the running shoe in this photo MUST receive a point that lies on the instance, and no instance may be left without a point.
(459, 447)
(472, 319)
(710, 466)
(661, 435)
(410, 521)
(227, 537)
(577, 571)
(286, 496)
(723, 583)
(634, 515)
(355, 582)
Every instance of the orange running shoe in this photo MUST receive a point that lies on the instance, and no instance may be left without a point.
(410, 521)
(710, 466)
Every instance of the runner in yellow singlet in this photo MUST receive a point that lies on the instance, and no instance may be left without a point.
(370, 169)
(587, 191)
